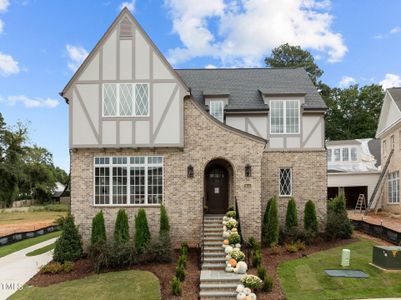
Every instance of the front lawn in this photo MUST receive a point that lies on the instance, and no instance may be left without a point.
(42, 250)
(5, 250)
(135, 285)
(305, 278)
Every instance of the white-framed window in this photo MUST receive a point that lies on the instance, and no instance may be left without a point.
(345, 154)
(216, 109)
(337, 154)
(125, 99)
(354, 154)
(123, 180)
(329, 155)
(392, 142)
(285, 182)
(284, 116)
(394, 187)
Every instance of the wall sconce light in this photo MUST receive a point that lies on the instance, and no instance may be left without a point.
(248, 170)
(190, 171)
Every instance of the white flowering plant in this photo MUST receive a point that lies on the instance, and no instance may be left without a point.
(230, 224)
(252, 282)
(238, 255)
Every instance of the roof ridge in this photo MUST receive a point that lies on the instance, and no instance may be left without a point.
(242, 68)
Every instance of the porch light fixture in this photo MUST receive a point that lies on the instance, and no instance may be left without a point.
(248, 171)
(190, 171)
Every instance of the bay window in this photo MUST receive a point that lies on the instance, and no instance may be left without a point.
(284, 116)
(128, 180)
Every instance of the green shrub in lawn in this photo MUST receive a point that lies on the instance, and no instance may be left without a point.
(273, 224)
(164, 221)
(261, 272)
(256, 258)
(234, 238)
(310, 219)
(121, 229)
(98, 229)
(142, 233)
(338, 225)
(267, 284)
(69, 244)
(231, 214)
(176, 287)
(180, 272)
(291, 217)
(265, 224)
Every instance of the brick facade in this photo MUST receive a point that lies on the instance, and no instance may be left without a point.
(309, 181)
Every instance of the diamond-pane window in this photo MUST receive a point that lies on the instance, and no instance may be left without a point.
(142, 99)
(285, 182)
(110, 100)
(126, 99)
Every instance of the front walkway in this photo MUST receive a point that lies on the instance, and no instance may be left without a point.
(17, 268)
(381, 218)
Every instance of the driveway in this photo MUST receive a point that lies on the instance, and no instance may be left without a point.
(17, 268)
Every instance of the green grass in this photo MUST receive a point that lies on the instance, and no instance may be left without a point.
(42, 250)
(135, 285)
(305, 278)
(5, 250)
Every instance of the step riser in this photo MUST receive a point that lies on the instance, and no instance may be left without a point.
(220, 289)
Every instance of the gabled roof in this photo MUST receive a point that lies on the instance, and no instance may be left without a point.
(396, 95)
(246, 86)
(390, 114)
(125, 12)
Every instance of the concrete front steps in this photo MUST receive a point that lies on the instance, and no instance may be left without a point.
(215, 283)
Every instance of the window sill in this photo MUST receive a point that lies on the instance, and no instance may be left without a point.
(393, 203)
(125, 205)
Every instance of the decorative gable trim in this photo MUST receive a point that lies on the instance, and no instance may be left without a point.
(124, 17)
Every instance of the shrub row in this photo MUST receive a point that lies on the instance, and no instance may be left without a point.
(256, 258)
(176, 283)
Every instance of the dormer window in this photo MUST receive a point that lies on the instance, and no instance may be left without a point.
(284, 116)
(216, 109)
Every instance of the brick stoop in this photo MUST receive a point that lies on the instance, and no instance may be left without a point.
(215, 283)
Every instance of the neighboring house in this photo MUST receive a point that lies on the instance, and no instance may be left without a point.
(143, 134)
(58, 191)
(353, 168)
(389, 132)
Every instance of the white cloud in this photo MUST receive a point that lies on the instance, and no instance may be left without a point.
(390, 80)
(76, 55)
(210, 66)
(392, 31)
(248, 29)
(8, 66)
(346, 81)
(4, 5)
(30, 102)
(128, 4)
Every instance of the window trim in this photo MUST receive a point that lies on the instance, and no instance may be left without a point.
(391, 181)
(285, 117)
(222, 109)
(128, 166)
(133, 115)
(279, 182)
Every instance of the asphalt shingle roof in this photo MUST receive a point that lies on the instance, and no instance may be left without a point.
(396, 94)
(245, 85)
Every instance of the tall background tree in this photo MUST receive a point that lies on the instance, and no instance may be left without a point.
(353, 112)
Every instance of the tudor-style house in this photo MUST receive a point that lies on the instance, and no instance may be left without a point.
(196, 140)
(389, 132)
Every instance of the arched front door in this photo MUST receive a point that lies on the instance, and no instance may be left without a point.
(217, 187)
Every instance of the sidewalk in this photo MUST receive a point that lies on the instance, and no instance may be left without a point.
(17, 268)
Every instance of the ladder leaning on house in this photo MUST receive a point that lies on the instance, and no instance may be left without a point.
(373, 201)
(360, 203)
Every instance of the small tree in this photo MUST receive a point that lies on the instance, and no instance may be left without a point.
(142, 233)
(310, 219)
(68, 245)
(338, 225)
(98, 229)
(164, 222)
(266, 222)
(291, 218)
(273, 226)
(121, 229)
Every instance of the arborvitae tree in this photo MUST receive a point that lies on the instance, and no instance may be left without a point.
(68, 245)
(98, 229)
(310, 219)
(291, 218)
(142, 233)
(338, 225)
(164, 222)
(121, 229)
(266, 222)
(273, 225)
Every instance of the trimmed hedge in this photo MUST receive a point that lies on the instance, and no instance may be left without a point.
(164, 221)
(142, 233)
(291, 218)
(98, 229)
(121, 229)
(310, 219)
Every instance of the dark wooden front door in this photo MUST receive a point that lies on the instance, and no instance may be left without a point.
(217, 190)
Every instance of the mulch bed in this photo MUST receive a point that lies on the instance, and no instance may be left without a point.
(165, 272)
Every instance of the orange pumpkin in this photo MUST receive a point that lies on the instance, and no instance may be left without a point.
(247, 298)
(225, 242)
(232, 262)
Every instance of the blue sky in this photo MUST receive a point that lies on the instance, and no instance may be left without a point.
(43, 41)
